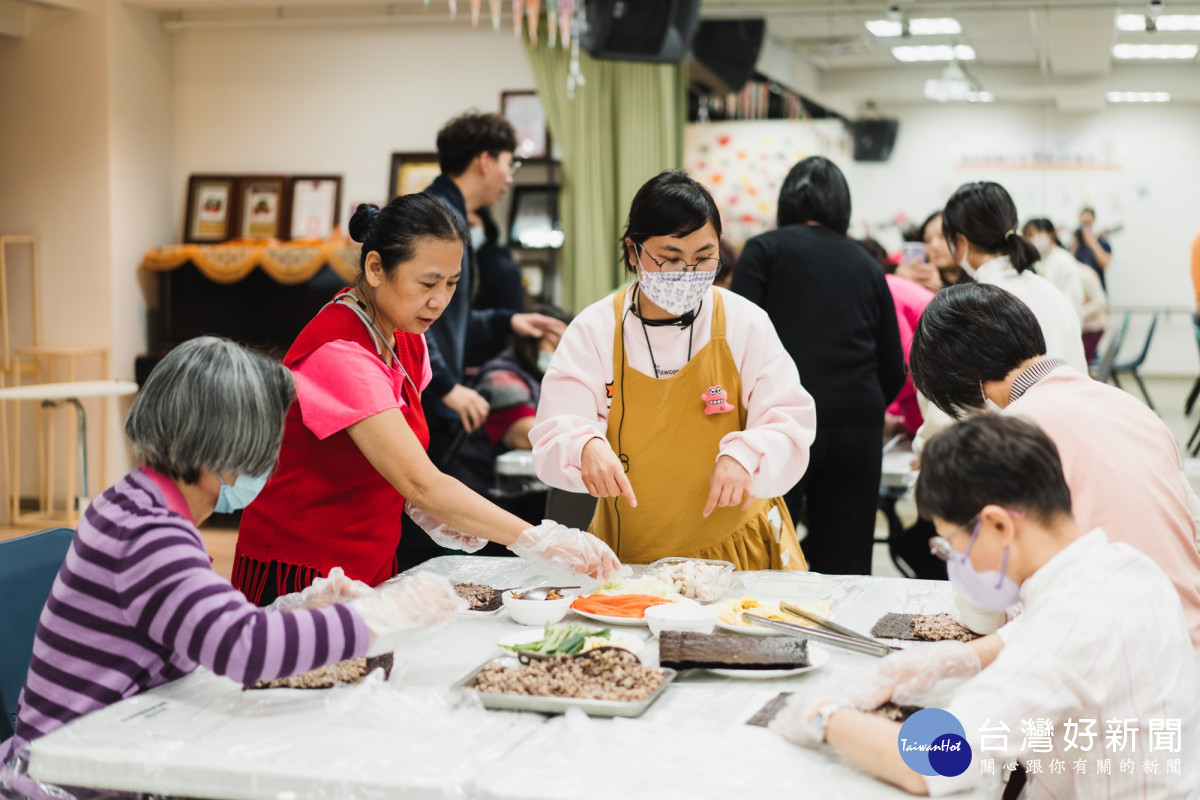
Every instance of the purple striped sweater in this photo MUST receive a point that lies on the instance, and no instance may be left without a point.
(136, 604)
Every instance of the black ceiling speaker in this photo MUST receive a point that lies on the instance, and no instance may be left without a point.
(727, 51)
(874, 139)
(658, 31)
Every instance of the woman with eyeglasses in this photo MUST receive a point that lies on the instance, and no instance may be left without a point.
(674, 402)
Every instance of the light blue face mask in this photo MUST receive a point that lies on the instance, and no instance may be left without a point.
(543, 361)
(241, 493)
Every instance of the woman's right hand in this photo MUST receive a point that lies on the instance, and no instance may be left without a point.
(469, 405)
(603, 473)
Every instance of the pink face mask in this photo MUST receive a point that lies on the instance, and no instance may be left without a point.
(991, 589)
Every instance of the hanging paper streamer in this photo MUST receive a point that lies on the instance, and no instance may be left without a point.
(475, 4)
(495, 5)
(565, 8)
(552, 22)
(533, 10)
(453, 10)
(518, 15)
(578, 26)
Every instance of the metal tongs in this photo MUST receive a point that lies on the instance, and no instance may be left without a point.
(857, 643)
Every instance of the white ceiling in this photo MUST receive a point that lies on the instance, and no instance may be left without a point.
(1052, 51)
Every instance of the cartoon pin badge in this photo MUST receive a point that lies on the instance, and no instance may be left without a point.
(716, 401)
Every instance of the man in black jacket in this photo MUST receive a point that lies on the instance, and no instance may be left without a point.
(476, 156)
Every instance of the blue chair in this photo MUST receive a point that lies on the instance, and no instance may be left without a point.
(28, 567)
(1131, 366)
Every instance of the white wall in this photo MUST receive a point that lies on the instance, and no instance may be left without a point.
(54, 184)
(329, 100)
(1155, 194)
(139, 124)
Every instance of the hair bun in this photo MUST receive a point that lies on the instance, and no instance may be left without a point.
(360, 224)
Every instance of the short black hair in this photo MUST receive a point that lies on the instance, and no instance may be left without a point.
(985, 213)
(815, 191)
(672, 203)
(992, 459)
(970, 334)
(463, 138)
(1088, 210)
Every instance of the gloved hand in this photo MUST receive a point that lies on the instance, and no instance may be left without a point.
(333, 588)
(404, 603)
(905, 676)
(443, 534)
(574, 549)
(794, 720)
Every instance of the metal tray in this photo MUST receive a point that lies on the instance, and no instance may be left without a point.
(559, 705)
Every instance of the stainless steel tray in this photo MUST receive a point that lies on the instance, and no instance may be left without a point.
(558, 705)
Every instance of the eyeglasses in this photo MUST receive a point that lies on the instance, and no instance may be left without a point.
(679, 265)
(512, 168)
(940, 546)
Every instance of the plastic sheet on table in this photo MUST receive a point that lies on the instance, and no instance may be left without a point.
(634, 759)
(372, 740)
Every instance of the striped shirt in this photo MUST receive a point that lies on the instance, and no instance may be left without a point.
(136, 604)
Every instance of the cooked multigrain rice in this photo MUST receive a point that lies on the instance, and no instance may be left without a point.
(940, 627)
(604, 674)
(478, 596)
(350, 671)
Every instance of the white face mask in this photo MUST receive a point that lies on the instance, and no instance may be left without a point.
(966, 266)
(675, 292)
(543, 361)
(1042, 242)
(478, 238)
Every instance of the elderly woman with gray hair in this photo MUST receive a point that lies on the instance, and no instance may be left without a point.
(137, 603)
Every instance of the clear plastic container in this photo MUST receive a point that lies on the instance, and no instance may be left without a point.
(702, 583)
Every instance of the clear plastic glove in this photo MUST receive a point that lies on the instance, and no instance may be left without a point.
(336, 587)
(793, 720)
(571, 548)
(443, 534)
(405, 603)
(903, 677)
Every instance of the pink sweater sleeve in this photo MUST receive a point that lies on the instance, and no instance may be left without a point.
(575, 398)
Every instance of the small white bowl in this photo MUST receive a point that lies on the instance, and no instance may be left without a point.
(536, 612)
(681, 616)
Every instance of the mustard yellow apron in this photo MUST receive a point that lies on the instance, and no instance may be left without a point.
(671, 446)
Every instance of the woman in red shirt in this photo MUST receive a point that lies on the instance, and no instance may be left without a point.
(353, 454)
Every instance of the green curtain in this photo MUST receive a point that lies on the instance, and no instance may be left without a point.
(624, 125)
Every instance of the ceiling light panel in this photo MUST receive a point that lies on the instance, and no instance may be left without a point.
(1180, 52)
(934, 52)
(1165, 22)
(1138, 97)
(932, 26)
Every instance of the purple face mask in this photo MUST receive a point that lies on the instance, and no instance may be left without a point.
(991, 589)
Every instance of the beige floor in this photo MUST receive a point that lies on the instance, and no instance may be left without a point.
(1168, 394)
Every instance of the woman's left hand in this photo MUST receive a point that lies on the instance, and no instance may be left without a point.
(730, 482)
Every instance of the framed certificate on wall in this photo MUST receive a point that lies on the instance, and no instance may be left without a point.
(210, 208)
(528, 117)
(315, 205)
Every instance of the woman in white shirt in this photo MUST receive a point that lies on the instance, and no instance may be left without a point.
(980, 225)
(675, 403)
(1056, 264)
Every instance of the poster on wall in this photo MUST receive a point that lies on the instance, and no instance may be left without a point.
(743, 165)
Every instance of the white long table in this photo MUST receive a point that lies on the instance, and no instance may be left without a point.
(203, 736)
